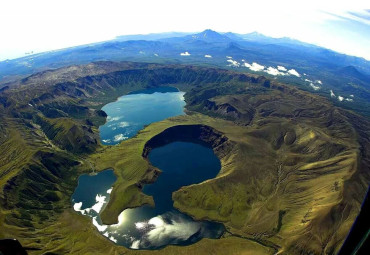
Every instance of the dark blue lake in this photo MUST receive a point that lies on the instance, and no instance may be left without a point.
(146, 227)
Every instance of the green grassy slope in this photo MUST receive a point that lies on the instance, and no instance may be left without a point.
(294, 167)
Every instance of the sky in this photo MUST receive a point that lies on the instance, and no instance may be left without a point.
(43, 25)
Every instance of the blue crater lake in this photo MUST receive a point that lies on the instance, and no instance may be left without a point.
(146, 227)
(130, 113)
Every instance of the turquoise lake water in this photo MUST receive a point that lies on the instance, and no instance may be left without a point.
(130, 113)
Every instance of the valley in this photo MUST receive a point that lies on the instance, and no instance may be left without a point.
(294, 167)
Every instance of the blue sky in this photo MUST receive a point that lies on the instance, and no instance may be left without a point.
(42, 25)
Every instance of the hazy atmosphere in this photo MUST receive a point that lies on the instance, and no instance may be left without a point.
(37, 26)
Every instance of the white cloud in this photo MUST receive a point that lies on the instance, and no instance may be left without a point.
(233, 63)
(109, 118)
(229, 57)
(319, 82)
(254, 67)
(109, 190)
(349, 99)
(180, 229)
(332, 93)
(135, 245)
(101, 228)
(77, 206)
(307, 80)
(155, 54)
(113, 239)
(123, 124)
(207, 56)
(119, 137)
(140, 225)
(106, 140)
(314, 86)
(340, 98)
(273, 71)
(185, 53)
(100, 202)
(294, 72)
(282, 68)
(351, 95)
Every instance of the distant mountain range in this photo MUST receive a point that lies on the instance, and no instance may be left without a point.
(290, 61)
